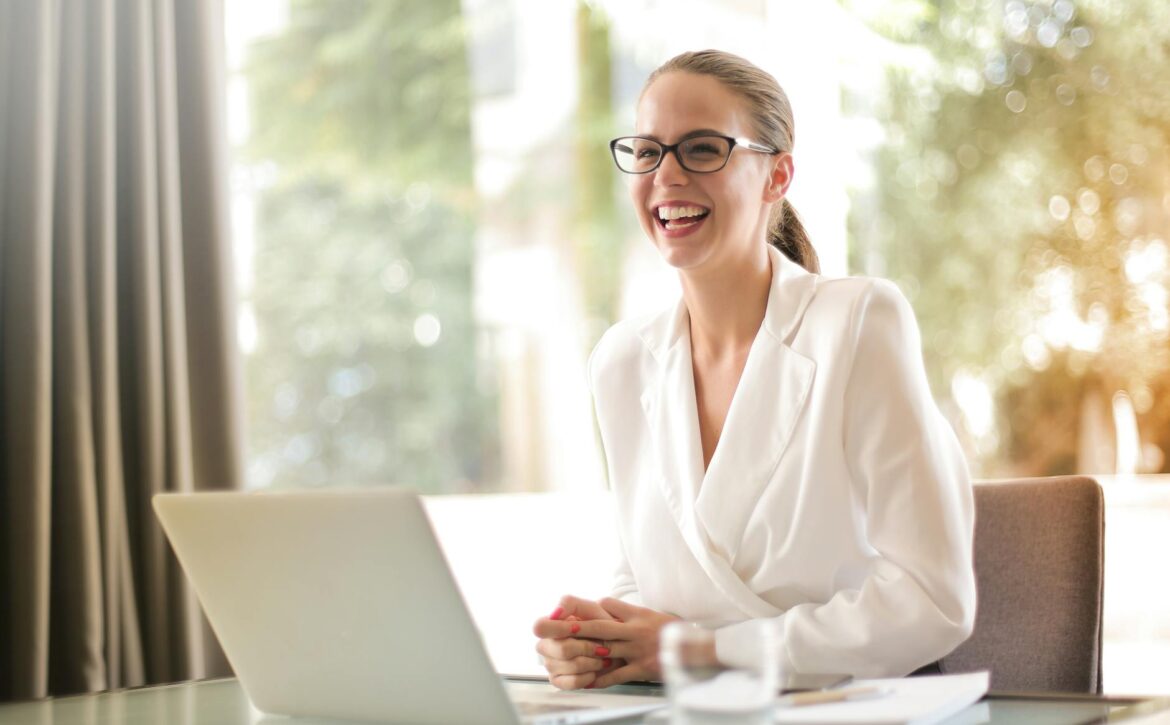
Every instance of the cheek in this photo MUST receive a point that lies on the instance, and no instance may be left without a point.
(637, 188)
(639, 192)
(745, 193)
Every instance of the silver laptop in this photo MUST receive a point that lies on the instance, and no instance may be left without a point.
(339, 603)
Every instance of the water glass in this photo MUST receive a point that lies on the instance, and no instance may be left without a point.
(702, 691)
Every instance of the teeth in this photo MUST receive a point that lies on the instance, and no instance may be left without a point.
(668, 213)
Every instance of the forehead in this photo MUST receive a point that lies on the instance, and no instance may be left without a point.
(677, 103)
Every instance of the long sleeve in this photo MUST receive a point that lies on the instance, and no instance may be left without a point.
(916, 601)
(624, 586)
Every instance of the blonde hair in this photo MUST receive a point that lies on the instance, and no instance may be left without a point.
(772, 117)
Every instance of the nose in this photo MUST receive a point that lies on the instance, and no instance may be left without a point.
(670, 172)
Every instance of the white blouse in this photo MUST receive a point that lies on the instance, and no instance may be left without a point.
(837, 501)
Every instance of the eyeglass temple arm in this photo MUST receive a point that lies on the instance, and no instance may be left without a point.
(748, 143)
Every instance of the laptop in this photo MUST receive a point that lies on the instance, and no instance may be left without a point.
(339, 603)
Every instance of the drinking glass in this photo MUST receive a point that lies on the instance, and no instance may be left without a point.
(702, 691)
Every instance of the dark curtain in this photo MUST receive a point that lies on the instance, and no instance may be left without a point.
(119, 375)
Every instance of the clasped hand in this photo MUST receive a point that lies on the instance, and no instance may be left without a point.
(587, 644)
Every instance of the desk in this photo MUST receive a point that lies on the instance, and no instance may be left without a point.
(223, 702)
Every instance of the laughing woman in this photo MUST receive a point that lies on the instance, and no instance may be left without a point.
(772, 443)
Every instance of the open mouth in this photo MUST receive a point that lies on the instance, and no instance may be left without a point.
(672, 218)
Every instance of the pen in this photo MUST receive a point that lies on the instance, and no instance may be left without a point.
(819, 698)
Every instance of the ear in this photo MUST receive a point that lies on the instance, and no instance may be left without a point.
(779, 178)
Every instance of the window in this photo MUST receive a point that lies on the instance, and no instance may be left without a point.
(431, 235)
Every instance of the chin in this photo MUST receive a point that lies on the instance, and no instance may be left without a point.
(681, 255)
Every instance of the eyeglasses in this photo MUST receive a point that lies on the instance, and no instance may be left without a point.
(698, 154)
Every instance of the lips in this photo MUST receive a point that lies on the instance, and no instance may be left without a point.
(679, 218)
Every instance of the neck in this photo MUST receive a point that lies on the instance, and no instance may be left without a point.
(727, 305)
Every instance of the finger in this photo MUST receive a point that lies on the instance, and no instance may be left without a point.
(616, 650)
(618, 609)
(557, 629)
(575, 666)
(567, 649)
(603, 629)
(582, 608)
(550, 626)
(609, 665)
(618, 676)
(572, 682)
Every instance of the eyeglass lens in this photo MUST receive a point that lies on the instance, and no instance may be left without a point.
(701, 154)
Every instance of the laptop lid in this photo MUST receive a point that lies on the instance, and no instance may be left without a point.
(335, 603)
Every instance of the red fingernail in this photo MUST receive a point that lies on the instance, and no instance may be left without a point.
(601, 651)
(556, 613)
(575, 628)
(591, 685)
(607, 663)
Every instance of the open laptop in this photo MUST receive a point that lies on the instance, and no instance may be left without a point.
(339, 603)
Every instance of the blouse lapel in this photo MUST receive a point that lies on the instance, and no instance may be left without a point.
(767, 403)
(669, 405)
(670, 409)
(711, 510)
(770, 397)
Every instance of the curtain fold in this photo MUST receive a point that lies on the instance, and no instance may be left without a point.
(25, 334)
(120, 376)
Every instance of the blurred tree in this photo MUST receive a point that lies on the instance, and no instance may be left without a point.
(365, 369)
(1024, 209)
(598, 230)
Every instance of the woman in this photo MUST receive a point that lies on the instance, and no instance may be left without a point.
(771, 440)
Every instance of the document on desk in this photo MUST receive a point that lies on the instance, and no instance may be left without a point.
(909, 701)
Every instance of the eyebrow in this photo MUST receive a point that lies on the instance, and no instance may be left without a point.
(688, 134)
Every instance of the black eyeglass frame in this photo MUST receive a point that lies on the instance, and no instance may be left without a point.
(732, 143)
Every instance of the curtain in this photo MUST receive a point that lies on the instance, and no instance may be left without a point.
(119, 376)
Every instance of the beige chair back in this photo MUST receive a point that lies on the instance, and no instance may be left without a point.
(1039, 568)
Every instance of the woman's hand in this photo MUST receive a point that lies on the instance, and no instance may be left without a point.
(572, 661)
(629, 633)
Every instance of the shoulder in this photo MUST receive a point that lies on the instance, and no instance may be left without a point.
(622, 350)
(881, 334)
(851, 293)
(880, 308)
(618, 345)
(854, 303)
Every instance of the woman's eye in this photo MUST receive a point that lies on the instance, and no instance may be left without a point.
(703, 149)
(646, 153)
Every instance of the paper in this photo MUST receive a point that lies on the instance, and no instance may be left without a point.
(729, 693)
(912, 701)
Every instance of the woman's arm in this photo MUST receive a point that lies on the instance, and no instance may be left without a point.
(610, 348)
(918, 601)
(625, 587)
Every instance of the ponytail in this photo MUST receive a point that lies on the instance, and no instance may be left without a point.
(786, 233)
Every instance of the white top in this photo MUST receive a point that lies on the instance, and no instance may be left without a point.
(837, 501)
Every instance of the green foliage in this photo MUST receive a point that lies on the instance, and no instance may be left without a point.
(899, 20)
(364, 90)
(1024, 166)
(597, 225)
(360, 116)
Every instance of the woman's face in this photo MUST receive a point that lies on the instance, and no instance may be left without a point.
(734, 202)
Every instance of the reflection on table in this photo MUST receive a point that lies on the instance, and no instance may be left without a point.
(223, 702)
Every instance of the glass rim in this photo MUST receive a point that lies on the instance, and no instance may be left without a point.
(731, 141)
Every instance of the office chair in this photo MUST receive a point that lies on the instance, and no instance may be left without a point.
(1039, 570)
